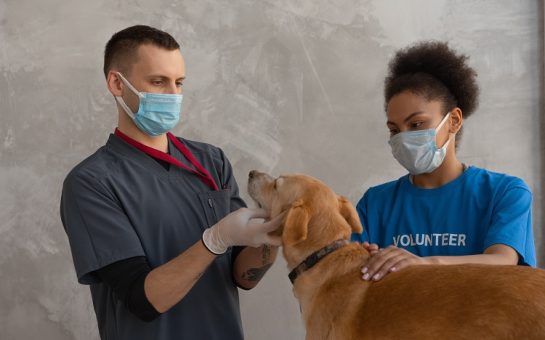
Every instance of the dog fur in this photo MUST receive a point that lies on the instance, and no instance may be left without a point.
(420, 302)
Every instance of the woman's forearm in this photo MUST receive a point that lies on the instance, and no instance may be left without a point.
(495, 254)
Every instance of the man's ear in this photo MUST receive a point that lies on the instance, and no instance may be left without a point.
(114, 83)
(350, 214)
(296, 224)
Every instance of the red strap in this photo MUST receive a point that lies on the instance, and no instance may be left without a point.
(200, 172)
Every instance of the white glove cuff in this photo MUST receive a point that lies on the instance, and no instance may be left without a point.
(212, 242)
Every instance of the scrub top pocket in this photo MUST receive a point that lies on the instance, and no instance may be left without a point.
(216, 205)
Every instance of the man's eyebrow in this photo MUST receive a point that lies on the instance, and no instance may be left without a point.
(406, 119)
(163, 77)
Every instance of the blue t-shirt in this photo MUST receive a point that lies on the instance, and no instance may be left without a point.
(463, 217)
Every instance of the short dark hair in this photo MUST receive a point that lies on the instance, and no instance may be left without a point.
(123, 45)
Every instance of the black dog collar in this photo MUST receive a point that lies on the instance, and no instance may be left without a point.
(315, 257)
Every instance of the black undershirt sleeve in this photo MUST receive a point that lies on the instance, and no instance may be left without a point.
(234, 253)
(126, 278)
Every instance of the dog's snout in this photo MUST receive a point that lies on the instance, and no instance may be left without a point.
(255, 174)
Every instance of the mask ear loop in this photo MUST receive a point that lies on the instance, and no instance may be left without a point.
(129, 85)
(120, 100)
(442, 122)
(438, 128)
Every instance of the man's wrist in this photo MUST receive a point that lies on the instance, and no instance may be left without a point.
(211, 241)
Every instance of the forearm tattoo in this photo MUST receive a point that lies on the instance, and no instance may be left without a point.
(266, 254)
(256, 274)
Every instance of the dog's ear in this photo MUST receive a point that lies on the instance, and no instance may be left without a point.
(350, 214)
(296, 224)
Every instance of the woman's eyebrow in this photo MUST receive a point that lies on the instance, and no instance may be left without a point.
(406, 119)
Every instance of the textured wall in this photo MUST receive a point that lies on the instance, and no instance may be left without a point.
(282, 86)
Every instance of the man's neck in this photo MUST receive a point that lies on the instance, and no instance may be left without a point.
(156, 142)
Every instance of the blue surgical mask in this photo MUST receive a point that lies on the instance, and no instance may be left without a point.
(417, 151)
(157, 113)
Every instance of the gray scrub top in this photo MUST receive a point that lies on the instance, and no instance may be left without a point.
(120, 203)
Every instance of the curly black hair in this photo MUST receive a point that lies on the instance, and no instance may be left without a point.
(435, 71)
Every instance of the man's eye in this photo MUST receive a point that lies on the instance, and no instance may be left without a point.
(157, 82)
(179, 84)
(393, 132)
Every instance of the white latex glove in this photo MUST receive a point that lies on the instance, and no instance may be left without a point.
(238, 229)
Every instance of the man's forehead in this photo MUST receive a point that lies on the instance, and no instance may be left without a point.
(154, 60)
(149, 48)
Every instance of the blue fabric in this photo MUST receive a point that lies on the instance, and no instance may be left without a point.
(463, 217)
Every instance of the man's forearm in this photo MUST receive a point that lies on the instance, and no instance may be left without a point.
(167, 284)
(252, 264)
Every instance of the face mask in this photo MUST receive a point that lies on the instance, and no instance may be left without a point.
(417, 150)
(157, 113)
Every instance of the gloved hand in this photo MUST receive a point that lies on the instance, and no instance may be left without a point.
(238, 229)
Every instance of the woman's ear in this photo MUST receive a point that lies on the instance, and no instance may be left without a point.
(456, 120)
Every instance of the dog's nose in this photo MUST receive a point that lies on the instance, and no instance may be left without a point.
(252, 174)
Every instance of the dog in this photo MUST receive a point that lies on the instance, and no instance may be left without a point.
(419, 302)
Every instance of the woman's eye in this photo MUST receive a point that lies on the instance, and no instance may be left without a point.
(393, 132)
(157, 82)
(179, 84)
(416, 125)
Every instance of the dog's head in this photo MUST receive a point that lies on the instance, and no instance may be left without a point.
(315, 217)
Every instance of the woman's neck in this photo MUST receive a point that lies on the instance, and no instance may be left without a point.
(451, 169)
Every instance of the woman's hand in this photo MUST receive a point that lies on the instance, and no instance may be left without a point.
(384, 261)
(372, 248)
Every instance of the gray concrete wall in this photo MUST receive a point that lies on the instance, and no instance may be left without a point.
(281, 86)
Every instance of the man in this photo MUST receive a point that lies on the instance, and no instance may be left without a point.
(152, 219)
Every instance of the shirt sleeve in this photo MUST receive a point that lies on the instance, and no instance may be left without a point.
(361, 208)
(512, 223)
(126, 278)
(98, 230)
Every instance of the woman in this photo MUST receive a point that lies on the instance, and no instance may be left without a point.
(443, 211)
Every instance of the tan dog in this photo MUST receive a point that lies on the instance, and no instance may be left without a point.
(420, 302)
